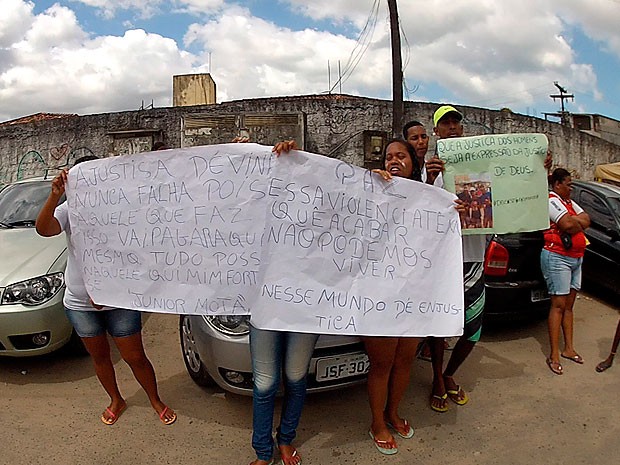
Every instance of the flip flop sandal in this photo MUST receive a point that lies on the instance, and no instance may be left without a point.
(575, 358)
(458, 396)
(167, 421)
(555, 367)
(601, 367)
(381, 445)
(443, 399)
(410, 431)
(285, 460)
(112, 417)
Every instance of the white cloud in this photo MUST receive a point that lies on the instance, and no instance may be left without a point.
(599, 20)
(16, 16)
(478, 52)
(484, 50)
(57, 67)
(108, 8)
(253, 57)
(147, 8)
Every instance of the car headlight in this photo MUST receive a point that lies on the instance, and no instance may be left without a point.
(232, 325)
(33, 291)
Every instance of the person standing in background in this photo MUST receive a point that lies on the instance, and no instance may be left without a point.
(560, 261)
(605, 364)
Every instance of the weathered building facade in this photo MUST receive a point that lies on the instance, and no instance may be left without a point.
(346, 127)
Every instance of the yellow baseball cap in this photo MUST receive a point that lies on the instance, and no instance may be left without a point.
(443, 111)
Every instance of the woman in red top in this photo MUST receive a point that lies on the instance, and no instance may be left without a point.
(560, 261)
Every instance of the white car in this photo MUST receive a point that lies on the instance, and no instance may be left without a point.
(32, 317)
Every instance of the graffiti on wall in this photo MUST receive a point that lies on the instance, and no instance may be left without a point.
(32, 163)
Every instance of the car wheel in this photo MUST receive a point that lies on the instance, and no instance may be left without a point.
(194, 365)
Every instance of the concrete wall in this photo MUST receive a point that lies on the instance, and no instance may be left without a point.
(333, 125)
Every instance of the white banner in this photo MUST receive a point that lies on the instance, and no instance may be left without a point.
(303, 242)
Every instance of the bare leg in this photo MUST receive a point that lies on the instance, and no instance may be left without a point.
(556, 315)
(462, 349)
(567, 325)
(605, 364)
(99, 350)
(399, 379)
(439, 389)
(132, 351)
(381, 352)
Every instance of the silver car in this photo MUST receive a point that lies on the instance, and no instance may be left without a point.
(32, 317)
(216, 350)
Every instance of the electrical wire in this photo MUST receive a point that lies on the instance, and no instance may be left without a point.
(361, 46)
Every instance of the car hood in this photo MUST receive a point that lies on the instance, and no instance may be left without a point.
(24, 254)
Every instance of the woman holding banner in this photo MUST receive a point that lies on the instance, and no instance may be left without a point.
(391, 357)
(92, 322)
(560, 260)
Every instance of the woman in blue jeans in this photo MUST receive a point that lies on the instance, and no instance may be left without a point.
(271, 352)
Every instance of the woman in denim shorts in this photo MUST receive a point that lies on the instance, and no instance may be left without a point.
(560, 261)
(92, 322)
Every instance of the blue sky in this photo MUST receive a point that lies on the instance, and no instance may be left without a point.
(91, 56)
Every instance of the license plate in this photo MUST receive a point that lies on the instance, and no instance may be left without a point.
(539, 294)
(344, 366)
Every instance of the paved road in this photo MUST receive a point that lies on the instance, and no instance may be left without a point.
(519, 412)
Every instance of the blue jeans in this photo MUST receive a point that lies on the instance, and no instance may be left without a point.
(119, 322)
(270, 351)
(561, 273)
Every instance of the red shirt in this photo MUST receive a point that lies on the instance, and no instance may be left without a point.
(558, 207)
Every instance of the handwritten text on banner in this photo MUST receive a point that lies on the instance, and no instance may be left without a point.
(303, 242)
(501, 179)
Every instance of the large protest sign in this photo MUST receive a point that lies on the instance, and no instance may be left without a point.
(502, 180)
(302, 242)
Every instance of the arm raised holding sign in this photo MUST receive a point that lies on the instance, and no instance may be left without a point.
(92, 324)
(390, 357)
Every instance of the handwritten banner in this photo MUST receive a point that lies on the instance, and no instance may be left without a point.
(502, 180)
(302, 242)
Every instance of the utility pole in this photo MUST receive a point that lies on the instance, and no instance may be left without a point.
(398, 108)
(563, 96)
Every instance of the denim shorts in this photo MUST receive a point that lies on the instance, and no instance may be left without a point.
(561, 273)
(119, 322)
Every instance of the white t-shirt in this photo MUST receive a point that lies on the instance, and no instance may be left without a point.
(474, 246)
(557, 209)
(76, 297)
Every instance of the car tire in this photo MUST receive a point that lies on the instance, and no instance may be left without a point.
(196, 369)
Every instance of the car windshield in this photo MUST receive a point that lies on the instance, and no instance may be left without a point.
(20, 203)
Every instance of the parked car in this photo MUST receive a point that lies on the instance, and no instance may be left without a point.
(216, 350)
(514, 284)
(601, 263)
(32, 317)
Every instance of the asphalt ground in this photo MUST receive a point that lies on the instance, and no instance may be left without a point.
(519, 412)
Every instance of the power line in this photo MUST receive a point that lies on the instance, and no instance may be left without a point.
(362, 43)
